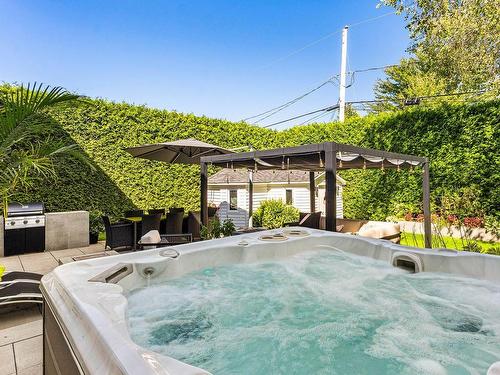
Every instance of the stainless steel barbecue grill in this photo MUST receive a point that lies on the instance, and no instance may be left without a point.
(24, 228)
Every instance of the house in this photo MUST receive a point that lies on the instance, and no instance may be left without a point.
(228, 189)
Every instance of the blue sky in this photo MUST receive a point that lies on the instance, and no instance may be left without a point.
(221, 58)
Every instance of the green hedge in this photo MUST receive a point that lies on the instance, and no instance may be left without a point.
(462, 142)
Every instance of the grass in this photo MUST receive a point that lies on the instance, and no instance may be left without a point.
(417, 240)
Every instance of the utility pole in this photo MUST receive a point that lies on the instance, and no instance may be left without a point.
(343, 73)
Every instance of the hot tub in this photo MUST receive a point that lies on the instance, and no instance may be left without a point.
(296, 300)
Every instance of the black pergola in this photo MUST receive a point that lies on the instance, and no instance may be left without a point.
(328, 157)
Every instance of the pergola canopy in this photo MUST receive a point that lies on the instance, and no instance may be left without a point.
(328, 157)
(312, 158)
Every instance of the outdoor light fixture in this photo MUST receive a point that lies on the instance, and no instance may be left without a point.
(283, 162)
(287, 163)
(364, 163)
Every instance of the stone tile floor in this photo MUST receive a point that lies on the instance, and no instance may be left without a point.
(21, 330)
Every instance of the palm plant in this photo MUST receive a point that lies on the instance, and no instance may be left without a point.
(27, 156)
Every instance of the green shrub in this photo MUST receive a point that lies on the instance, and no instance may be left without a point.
(274, 213)
(216, 229)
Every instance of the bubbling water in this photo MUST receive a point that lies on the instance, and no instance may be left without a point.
(320, 312)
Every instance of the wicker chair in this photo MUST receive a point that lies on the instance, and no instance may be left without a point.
(119, 234)
(156, 211)
(134, 213)
(194, 224)
(150, 222)
(307, 220)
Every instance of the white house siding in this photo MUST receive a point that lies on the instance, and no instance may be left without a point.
(300, 198)
(219, 196)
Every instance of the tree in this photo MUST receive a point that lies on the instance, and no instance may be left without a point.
(26, 155)
(409, 79)
(454, 46)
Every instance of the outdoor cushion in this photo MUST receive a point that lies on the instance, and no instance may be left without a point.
(152, 237)
(380, 230)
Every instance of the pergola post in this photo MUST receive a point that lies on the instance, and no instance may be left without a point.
(330, 191)
(427, 205)
(204, 193)
(312, 191)
(250, 197)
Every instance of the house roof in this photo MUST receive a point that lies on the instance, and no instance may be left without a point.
(240, 176)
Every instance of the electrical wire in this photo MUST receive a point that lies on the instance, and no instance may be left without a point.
(327, 109)
(330, 80)
(373, 68)
(371, 19)
(419, 97)
(275, 110)
(324, 37)
(317, 117)
(361, 102)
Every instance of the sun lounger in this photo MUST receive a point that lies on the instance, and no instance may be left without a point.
(18, 276)
(17, 292)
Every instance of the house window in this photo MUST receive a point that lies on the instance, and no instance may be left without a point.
(289, 196)
(233, 199)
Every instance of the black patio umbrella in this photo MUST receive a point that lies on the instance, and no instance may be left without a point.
(183, 151)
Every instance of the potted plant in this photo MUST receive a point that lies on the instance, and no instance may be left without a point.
(96, 226)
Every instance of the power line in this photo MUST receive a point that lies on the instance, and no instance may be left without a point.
(327, 109)
(293, 53)
(315, 118)
(371, 19)
(275, 110)
(324, 37)
(373, 68)
(419, 97)
(281, 107)
(361, 102)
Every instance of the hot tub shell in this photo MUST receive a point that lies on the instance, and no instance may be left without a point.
(85, 327)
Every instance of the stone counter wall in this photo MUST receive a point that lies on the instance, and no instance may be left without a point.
(66, 230)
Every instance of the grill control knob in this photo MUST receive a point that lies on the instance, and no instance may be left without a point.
(12, 223)
(37, 221)
(25, 222)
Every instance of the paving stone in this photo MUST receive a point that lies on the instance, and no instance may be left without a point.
(11, 263)
(30, 257)
(58, 254)
(7, 365)
(28, 353)
(21, 332)
(43, 264)
(99, 247)
(33, 370)
(18, 317)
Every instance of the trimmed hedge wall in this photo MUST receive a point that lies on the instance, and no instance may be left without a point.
(462, 142)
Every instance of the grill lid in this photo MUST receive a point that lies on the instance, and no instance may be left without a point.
(18, 209)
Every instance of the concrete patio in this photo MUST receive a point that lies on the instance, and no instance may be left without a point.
(21, 331)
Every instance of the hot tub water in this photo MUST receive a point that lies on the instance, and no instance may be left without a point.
(320, 312)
